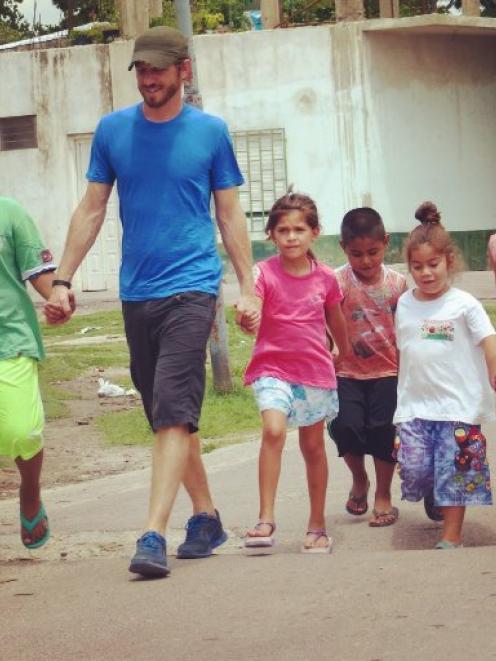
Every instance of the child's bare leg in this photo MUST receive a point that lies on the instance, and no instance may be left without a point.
(269, 467)
(359, 488)
(313, 450)
(384, 513)
(384, 471)
(29, 495)
(453, 523)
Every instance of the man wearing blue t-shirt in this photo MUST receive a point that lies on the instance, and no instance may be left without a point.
(167, 159)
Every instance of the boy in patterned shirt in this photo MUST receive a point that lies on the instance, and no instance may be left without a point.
(367, 375)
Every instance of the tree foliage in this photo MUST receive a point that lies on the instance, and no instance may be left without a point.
(488, 7)
(11, 17)
(86, 11)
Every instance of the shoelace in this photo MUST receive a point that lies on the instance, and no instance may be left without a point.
(195, 524)
(151, 542)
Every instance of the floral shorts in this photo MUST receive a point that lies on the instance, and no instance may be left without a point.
(449, 457)
(303, 405)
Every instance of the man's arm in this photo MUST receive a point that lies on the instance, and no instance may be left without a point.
(43, 285)
(232, 226)
(85, 224)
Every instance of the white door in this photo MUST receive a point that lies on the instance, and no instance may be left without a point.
(100, 268)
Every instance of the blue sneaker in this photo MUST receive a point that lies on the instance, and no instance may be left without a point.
(150, 558)
(204, 532)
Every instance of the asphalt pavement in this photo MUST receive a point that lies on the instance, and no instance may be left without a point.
(382, 595)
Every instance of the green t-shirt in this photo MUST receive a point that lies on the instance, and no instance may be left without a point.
(22, 257)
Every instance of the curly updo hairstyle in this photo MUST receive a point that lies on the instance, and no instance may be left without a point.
(432, 232)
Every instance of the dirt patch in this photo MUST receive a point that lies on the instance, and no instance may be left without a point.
(74, 446)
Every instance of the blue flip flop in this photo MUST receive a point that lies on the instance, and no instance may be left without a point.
(31, 525)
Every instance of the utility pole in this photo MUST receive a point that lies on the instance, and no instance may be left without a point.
(218, 338)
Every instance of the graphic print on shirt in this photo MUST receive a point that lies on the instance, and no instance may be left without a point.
(369, 336)
(470, 460)
(438, 330)
(369, 312)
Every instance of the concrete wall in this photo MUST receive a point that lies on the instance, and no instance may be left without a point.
(372, 118)
(279, 79)
(68, 90)
(431, 103)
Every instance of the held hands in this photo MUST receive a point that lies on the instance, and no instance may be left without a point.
(60, 306)
(248, 313)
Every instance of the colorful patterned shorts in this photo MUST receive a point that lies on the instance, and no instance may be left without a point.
(447, 456)
(303, 405)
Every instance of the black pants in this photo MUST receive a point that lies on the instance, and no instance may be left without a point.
(364, 423)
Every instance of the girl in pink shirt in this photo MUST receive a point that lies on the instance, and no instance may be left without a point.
(291, 370)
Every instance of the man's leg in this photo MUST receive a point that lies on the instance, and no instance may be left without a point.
(171, 450)
(195, 479)
(204, 528)
(170, 453)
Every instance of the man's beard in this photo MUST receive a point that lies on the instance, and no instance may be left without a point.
(161, 97)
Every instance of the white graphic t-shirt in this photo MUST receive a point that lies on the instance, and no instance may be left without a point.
(442, 373)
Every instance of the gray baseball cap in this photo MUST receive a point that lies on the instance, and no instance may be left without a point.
(160, 46)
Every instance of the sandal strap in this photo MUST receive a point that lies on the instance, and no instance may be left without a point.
(30, 525)
(320, 532)
(266, 523)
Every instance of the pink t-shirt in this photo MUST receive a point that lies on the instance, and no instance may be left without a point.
(369, 313)
(291, 341)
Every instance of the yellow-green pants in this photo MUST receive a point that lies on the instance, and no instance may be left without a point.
(21, 410)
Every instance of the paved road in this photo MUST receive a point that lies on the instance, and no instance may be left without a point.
(383, 593)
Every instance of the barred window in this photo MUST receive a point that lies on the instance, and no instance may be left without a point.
(262, 158)
(18, 132)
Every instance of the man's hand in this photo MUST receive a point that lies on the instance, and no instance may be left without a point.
(248, 313)
(60, 305)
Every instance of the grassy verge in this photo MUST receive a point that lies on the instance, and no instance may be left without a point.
(224, 417)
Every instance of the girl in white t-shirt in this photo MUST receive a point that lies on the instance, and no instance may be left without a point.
(447, 348)
(291, 370)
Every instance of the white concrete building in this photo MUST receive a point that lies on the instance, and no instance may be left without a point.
(384, 113)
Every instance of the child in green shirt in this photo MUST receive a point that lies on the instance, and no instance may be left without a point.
(23, 257)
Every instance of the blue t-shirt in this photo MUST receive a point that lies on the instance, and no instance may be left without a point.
(165, 172)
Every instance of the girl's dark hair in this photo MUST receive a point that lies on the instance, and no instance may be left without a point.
(362, 222)
(432, 232)
(294, 202)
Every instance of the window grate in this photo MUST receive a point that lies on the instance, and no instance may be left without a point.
(18, 133)
(262, 158)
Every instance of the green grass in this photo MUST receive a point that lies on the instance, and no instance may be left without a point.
(65, 363)
(491, 311)
(104, 323)
(224, 416)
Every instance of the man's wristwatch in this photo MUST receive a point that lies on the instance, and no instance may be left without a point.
(63, 283)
